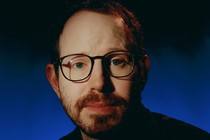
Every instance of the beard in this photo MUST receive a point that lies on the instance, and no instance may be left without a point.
(96, 123)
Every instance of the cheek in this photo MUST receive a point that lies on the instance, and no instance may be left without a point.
(123, 88)
(70, 92)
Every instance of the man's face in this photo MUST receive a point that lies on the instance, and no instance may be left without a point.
(98, 103)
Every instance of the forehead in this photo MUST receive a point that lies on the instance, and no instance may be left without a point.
(90, 29)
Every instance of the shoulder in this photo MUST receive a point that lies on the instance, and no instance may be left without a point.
(74, 135)
(176, 129)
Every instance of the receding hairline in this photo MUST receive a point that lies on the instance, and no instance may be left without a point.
(87, 18)
(117, 18)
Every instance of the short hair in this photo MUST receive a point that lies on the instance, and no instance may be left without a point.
(132, 27)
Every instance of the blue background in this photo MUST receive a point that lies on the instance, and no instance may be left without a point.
(177, 38)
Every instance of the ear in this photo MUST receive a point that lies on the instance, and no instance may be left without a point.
(144, 64)
(52, 78)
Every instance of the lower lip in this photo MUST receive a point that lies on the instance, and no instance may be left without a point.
(102, 109)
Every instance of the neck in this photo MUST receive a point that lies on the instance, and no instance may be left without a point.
(86, 137)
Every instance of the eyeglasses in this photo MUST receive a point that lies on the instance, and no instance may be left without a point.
(78, 67)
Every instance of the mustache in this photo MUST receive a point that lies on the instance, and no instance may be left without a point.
(100, 99)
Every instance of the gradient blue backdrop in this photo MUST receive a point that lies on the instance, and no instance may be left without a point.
(177, 40)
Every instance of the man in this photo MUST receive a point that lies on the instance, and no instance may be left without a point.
(98, 71)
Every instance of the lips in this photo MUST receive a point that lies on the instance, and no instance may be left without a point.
(100, 102)
(100, 107)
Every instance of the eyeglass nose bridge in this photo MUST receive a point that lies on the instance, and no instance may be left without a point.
(96, 57)
(92, 58)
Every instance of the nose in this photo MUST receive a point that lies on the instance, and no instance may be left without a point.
(100, 81)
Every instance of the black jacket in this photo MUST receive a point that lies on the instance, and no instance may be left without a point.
(152, 126)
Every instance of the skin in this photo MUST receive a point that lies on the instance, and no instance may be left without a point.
(97, 104)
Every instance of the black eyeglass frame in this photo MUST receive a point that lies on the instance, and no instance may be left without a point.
(59, 61)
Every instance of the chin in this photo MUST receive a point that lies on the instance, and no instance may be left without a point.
(102, 124)
(96, 124)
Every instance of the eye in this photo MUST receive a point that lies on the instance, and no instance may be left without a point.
(117, 61)
(78, 65)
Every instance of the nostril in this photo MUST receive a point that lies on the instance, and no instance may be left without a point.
(108, 88)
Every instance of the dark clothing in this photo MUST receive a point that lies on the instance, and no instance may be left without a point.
(151, 126)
